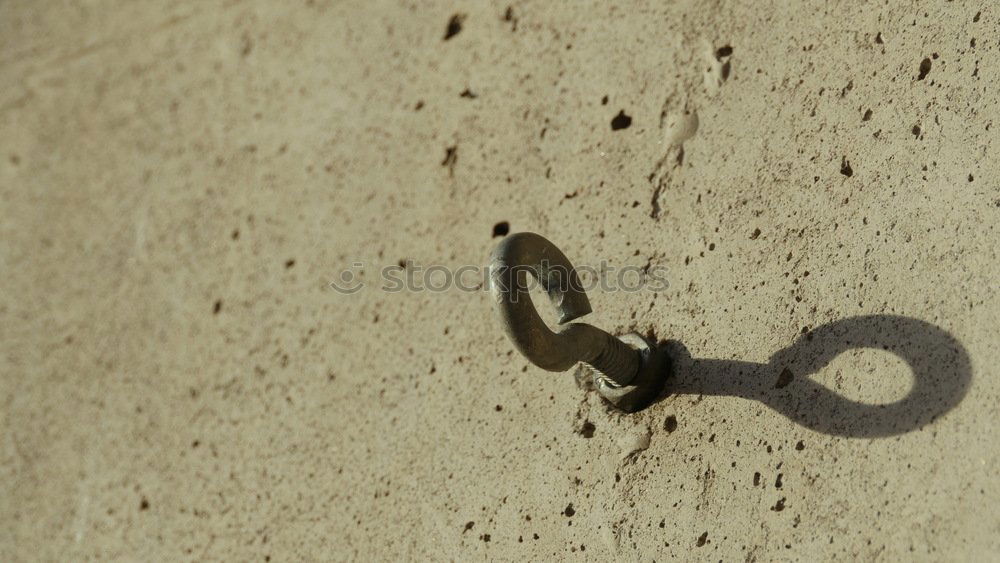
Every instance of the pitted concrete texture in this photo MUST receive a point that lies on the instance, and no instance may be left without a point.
(181, 181)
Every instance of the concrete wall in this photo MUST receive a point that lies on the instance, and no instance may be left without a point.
(180, 181)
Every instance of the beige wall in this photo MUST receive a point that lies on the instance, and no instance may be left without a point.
(180, 181)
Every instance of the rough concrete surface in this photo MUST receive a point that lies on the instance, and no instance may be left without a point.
(181, 181)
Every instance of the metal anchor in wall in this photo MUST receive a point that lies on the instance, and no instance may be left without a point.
(629, 371)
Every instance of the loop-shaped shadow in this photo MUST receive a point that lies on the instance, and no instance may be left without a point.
(940, 365)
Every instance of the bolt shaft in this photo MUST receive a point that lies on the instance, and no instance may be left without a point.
(617, 363)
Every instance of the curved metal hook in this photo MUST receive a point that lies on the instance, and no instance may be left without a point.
(510, 263)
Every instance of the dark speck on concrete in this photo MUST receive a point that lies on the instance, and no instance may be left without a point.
(454, 26)
(925, 67)
(670, 424)
(845, 167)
(784, 378)
(620, 121)
(501, 229)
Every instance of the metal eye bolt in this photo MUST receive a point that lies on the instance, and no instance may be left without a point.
(629, 371)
